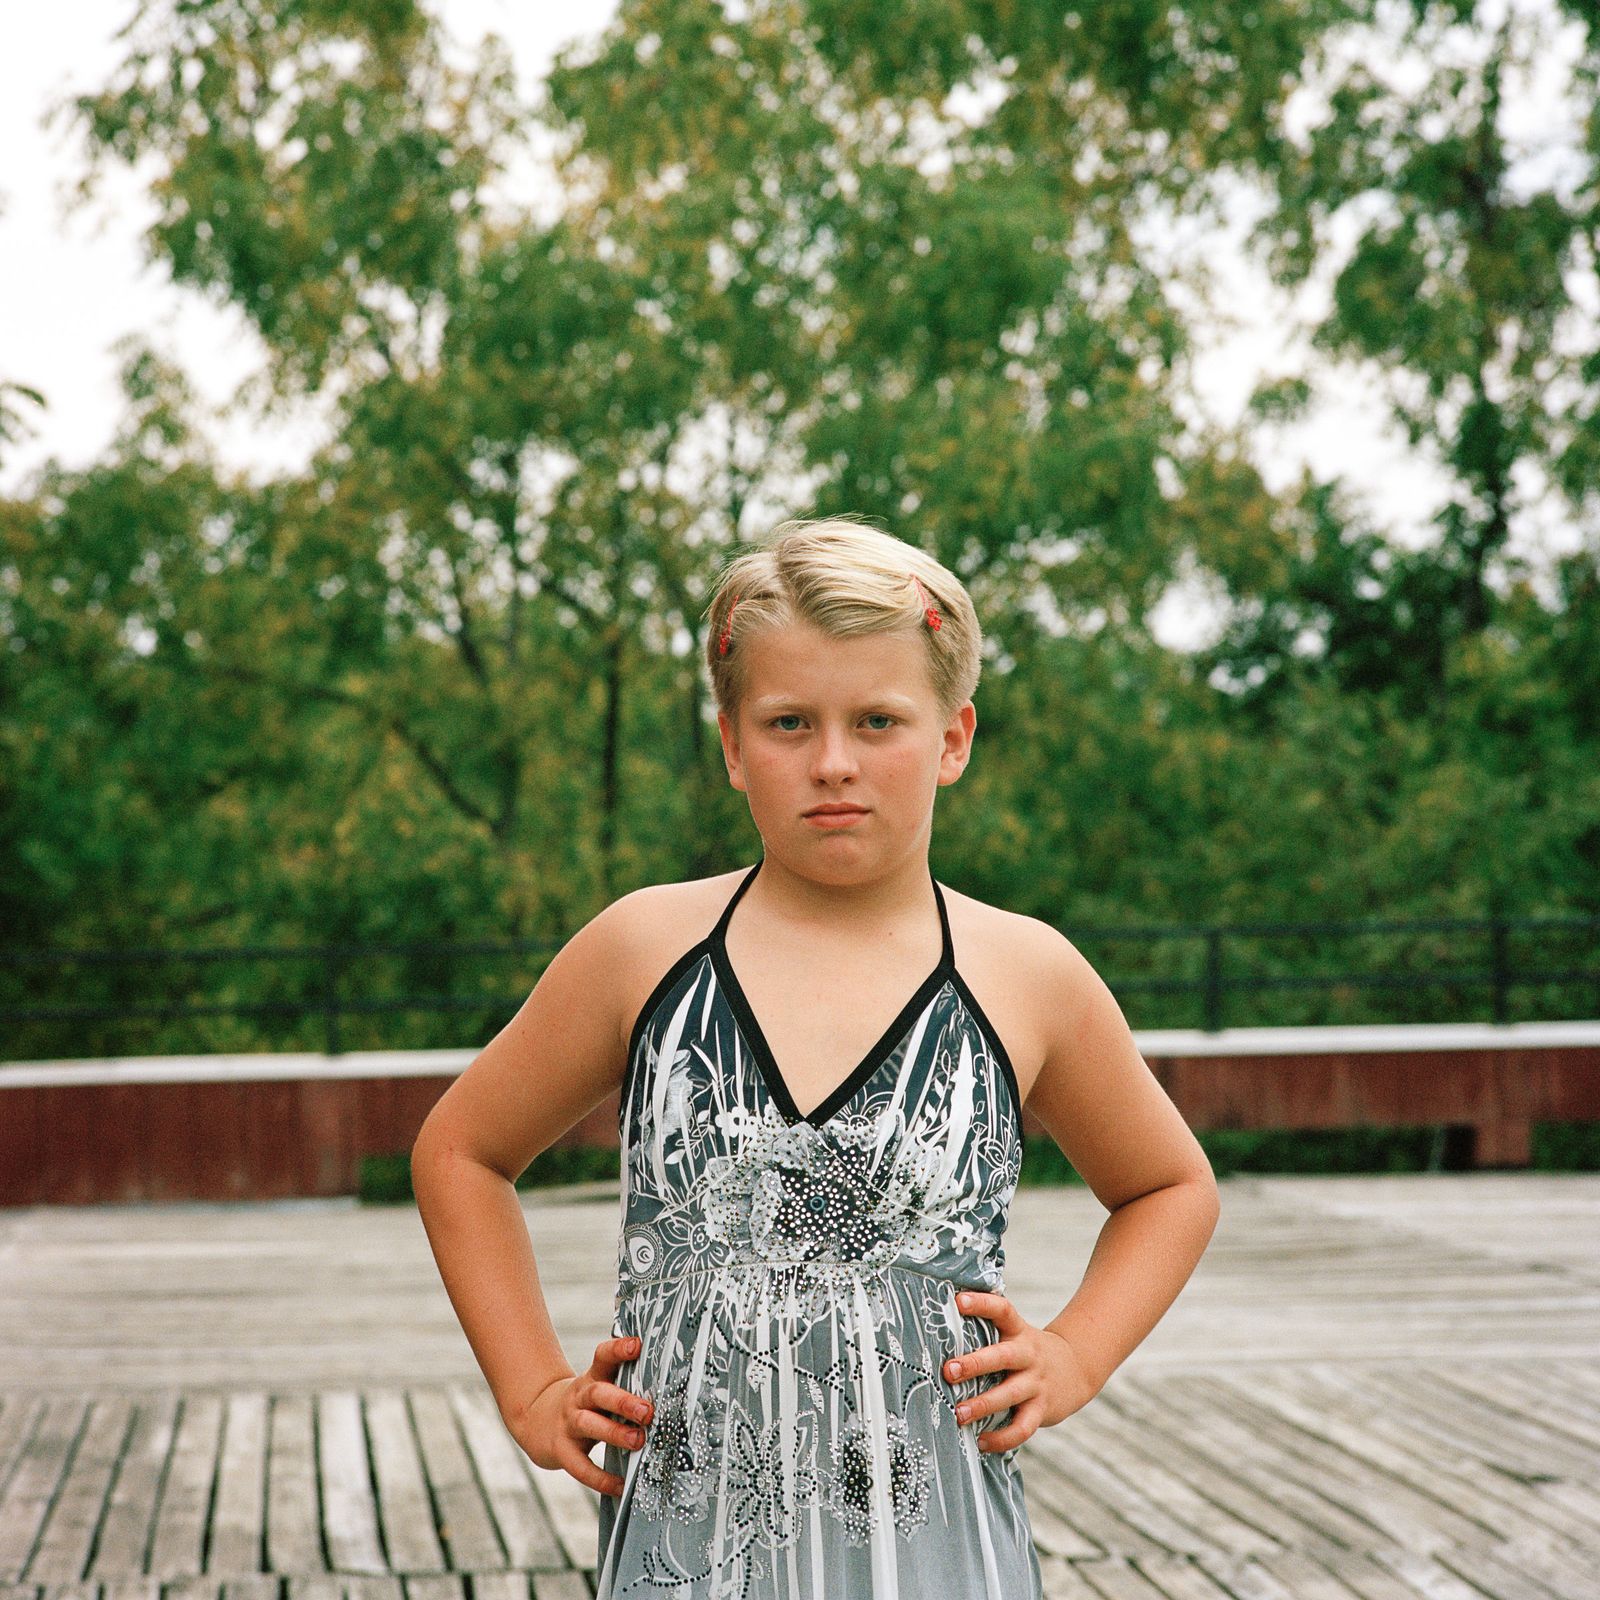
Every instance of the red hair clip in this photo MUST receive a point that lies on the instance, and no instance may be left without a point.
(727, 628)
(930, 614)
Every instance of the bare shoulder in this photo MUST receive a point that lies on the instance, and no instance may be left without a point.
(1083, 1076)
(657, 925)
(565, 1049)
(1019, 969)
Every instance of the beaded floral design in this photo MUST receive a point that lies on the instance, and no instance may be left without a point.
(675, 1471)
(851, 1495)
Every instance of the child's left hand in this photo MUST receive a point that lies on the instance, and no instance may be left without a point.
(1048, 1378)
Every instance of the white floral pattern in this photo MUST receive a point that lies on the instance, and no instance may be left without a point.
(792, 1282)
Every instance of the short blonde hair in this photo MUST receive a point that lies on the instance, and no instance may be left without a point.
(845, 577)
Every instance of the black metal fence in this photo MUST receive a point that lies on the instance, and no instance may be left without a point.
(57, 1004)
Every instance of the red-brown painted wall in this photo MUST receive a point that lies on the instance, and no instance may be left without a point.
(262, 1139)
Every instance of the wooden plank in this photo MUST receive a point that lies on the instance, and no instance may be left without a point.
(1344, 1405)
(314, 1586)
(63, 1550)
(404, 1509)
(130, 1511)
(294, 1534)
(1137, 1409)
(1389, 1447)
(252, 1586)
(512, 1585)
(1245, 1578)
(349, 1505)
(1466, 1428)
(17, 1423)
(435, 1586)
(1181, 1578)
(1086, 1495)
(177, 1548)
(501, 1464)
(1136, 1458)
(466, 1527)
(35, 1482)
(239, 1516)
(191, 1588)
(1314, 1520)
(573, 1511)
(561, 1586)
(1064, 1581)
(367, 1586)
(1407, 1514)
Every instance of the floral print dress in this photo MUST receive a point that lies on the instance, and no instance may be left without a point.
(792, 1280)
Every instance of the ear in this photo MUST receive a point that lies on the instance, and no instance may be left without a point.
(957, 749)
(729, 731)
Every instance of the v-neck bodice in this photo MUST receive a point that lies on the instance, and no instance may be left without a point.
(877, 1052)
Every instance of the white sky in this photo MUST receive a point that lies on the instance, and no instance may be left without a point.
(74, 285)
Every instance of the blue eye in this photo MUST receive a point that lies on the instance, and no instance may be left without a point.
(794, 716)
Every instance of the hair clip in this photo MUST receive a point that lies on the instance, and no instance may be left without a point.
(930, 614)
(727, 628)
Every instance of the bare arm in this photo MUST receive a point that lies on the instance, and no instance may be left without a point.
(557, 1058)
(1099, 1100)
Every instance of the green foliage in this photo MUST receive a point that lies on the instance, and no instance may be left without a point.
(1557, 1147)
(445, 682)
(386, 1179)
(1461, 291)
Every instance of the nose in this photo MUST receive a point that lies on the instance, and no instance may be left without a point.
(834, 759)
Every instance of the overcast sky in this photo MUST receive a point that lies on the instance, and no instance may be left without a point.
(73, 285)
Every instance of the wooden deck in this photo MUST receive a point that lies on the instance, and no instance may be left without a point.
(1373, 1389)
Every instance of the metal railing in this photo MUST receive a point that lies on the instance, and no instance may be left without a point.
(1512, 968)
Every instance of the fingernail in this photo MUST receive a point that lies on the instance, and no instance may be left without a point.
(961, 1413)
(963, 1300)
(955, 1369)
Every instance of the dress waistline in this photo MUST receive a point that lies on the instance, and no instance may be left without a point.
(863, 1268)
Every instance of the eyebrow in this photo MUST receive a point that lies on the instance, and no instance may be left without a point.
(772, 702)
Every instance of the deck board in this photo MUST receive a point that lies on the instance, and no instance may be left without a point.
(1377, 1388)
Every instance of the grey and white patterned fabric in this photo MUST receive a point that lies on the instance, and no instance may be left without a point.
(792, 1279)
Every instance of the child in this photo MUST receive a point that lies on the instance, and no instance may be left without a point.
(816, 1386)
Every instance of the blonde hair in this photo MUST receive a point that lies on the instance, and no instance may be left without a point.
(845, 577)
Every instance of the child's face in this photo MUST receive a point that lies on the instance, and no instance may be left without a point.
(854, 720)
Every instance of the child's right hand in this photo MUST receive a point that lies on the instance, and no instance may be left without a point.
(561, 1424)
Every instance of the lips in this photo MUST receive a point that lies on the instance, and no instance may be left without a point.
(836, 811)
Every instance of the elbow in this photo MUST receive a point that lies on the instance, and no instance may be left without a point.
(430, 1150)
(423, 1143)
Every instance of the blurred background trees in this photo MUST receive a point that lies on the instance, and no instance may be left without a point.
(914, 262)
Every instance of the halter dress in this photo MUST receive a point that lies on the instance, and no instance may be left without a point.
(792, 1278)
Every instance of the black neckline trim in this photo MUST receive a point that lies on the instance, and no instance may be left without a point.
(996, 1043)
(664, 984)
(871, 1063)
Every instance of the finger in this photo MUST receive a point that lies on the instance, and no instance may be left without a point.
(610, 1354)
(1024, 1423)
(974, 1363)
(980, 1303)
(587, 1473)
(609, 1397)
(597, 1425)
(1000, 1398)
(603, 1397)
